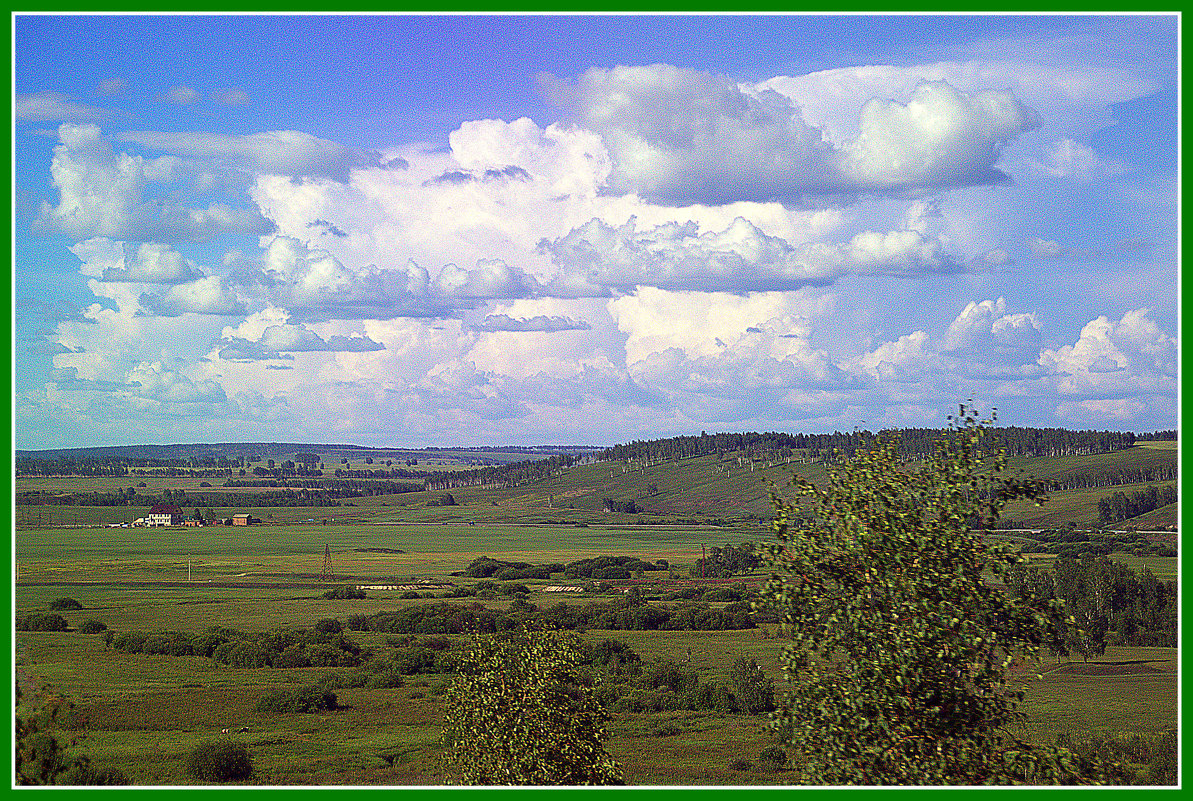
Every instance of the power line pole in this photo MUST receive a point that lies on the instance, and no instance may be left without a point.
(326, 574)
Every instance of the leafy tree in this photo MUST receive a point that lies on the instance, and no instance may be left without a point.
(522, 713)
(898, 665)
(40, 757)
(755, 691)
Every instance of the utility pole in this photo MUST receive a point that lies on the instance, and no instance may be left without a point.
(326, 574)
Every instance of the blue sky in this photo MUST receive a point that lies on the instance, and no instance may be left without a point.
(421, 230)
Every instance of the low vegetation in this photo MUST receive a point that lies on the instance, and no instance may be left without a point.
(669, 644)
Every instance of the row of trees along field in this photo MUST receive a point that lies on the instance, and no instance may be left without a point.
(321, 496)
(1120, 506)
(915, 443)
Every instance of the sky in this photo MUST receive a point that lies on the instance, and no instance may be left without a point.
(414, 231)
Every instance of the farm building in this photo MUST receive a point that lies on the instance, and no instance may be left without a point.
(563, 588)
(164, 514)
(244, 520)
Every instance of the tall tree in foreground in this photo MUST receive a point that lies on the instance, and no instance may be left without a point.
(898, 669)
(521, 712)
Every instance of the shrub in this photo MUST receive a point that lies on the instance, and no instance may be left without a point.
(740, 764)
(329, 625)
(358, 623)
(667, 730)
(293, 657)
(303, 699)
(172, 643)
(61, 604)
(712, 696)
(40, 622)
(722, 594)
(756, 691)
(247, 655)
(220, 653)
(386, 679)
(326, 655)
(82, 773)
(773, 758)
(345, 592)
(219, 761)
(409, 594)
(92, 627)
(131, 642)
(666, 673)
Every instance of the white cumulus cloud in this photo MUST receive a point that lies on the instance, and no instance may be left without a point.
(680, 136)
(105, 193)
(290, 153)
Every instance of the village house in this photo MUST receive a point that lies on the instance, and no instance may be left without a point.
(164, 514)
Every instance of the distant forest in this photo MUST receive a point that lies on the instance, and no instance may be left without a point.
(301, 472)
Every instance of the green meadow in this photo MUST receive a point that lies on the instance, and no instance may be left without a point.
(145, 712)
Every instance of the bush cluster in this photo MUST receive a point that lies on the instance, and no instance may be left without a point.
(488, 589)
(1074, 544)
(279, 648)
(590, 568)
(36, 621)
(92, 627)
(64, 604)
(625, 614)
(346, 592)
(486, 567)
(282, 701)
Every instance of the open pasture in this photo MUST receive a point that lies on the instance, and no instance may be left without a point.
(145, 712)
(223, 553)
(1079, 506)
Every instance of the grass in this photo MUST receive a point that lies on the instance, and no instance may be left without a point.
(1079, 506)
(146, 712)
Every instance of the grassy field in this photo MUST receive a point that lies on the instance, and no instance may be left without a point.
(703, 488)
(146, 712)
(428, 551)
(1080, 506)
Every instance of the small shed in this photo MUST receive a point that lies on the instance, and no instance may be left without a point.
(242, 520)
